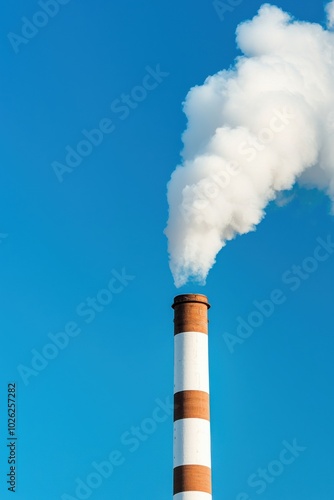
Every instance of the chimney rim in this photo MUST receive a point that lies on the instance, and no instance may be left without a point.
(184, 298)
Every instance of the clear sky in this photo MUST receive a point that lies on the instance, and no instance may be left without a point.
(71, 227)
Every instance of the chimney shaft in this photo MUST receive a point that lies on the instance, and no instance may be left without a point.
(192, 446)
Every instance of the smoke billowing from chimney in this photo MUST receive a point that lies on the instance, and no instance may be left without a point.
(253, 131)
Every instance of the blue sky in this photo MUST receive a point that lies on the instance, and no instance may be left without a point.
(105, 395)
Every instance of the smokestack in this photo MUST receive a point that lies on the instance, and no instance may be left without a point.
(192, 446)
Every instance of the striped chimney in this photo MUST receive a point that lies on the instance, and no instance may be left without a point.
(192, 447)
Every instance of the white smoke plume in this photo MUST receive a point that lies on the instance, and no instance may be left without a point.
(330, 14)
(253, 131)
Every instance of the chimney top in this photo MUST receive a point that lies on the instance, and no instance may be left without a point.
(191, 297)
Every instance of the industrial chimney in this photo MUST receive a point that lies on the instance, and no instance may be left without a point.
(192, 447)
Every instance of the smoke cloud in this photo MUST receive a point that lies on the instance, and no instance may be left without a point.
(253, 131)
(330, 14)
